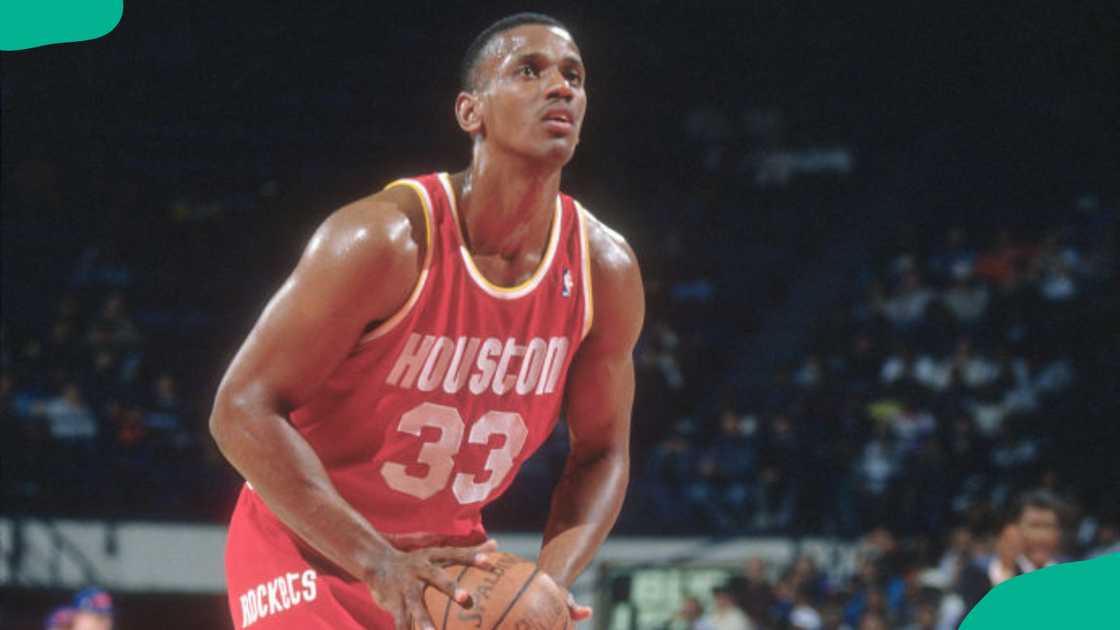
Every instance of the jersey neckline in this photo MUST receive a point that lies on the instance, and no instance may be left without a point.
(492, 289)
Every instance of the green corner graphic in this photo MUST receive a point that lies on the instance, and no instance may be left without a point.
(1083, 595)
(31, 23)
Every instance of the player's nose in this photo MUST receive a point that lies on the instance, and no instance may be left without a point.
(558, 86)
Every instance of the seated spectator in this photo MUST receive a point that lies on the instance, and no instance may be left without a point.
(756, 597)
(906, 308)
(669, 472)
(911, 425)
(971, 369)
(689, 616)
(165, 409)
(779, 479)
(804, 615)
(875, 471)
(967, 299)
(954, 256)
(113, 328)
(897, 367)
(725, 613)
(999, 265)
(725, 470)
(810, 374)
(1057, 283)
(68, 416)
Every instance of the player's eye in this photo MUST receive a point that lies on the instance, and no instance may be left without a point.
(527, 70)
(575, 78)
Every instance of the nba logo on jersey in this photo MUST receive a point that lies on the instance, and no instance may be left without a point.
(567, 289)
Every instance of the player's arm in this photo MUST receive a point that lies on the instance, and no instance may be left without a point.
(358, 268)
(598, 400)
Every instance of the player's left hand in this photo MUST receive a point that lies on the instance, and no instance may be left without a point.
(578, 612)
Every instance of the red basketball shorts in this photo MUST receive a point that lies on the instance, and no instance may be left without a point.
(275, 585)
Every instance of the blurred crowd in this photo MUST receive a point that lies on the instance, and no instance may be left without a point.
(925, 405)
(896, 583)
(95, 417)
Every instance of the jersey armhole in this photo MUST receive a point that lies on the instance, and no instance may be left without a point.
(384, 327)
(583, 217)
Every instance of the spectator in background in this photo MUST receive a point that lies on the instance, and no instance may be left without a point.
(670, 471)
(1039, 518)
(971, 369)
(94, 610)
(726, 467)
(165, 409)
(967, 298)
(873, 621)
(779, 481)
(1057, 283)
(756, 596)
(953, 257)
(113, 327)
(61, 618)
(69, 418)
(804, 615)
(906, 308)
(911, 426)
(876, 468)
(725, 614)
(1028, 541)
(1106, 537)
(689, 616)
(999, 264)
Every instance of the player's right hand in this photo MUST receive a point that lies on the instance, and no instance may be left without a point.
(400, 580)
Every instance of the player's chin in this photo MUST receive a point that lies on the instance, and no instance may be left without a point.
(559, 150)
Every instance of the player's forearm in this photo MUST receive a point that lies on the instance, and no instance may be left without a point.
(292, 481)
(585, 505)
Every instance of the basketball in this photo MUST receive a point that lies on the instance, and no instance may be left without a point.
(515, 595)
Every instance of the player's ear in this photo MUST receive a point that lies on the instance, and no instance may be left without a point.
(468, 111)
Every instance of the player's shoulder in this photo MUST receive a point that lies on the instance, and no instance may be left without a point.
(386, 227)
(612, 258)
(618, 298)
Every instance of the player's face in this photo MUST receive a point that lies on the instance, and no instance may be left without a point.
(1041, 534)
(533, 99)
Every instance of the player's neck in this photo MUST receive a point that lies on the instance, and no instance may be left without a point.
(506, 207)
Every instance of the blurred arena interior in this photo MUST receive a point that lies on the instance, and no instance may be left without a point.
(879, 248)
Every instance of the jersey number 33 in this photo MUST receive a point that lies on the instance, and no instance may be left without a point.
(439, 455)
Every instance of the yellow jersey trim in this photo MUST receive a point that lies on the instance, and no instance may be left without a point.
(583, 216)
(495, 290)
(425, 201)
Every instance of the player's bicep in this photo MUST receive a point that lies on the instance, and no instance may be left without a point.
(348, 276)
(600, 390)
(600, 397)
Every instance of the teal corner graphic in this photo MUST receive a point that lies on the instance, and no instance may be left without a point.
(31, 23)
(1073, 595)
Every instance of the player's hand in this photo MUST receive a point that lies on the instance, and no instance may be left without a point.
(575, 611)
(399, 585)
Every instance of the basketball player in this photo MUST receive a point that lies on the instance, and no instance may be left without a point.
(421, 350)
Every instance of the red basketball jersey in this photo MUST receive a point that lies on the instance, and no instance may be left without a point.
(432, 414)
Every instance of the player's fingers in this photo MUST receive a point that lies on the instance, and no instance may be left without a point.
(414, 600)
(578, 612)
(480, 556)
(439, 579)
(401, 619)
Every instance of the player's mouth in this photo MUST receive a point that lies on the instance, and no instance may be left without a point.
(559, 120)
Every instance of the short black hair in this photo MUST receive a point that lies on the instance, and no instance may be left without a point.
(1040, 499)
(468, 71)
